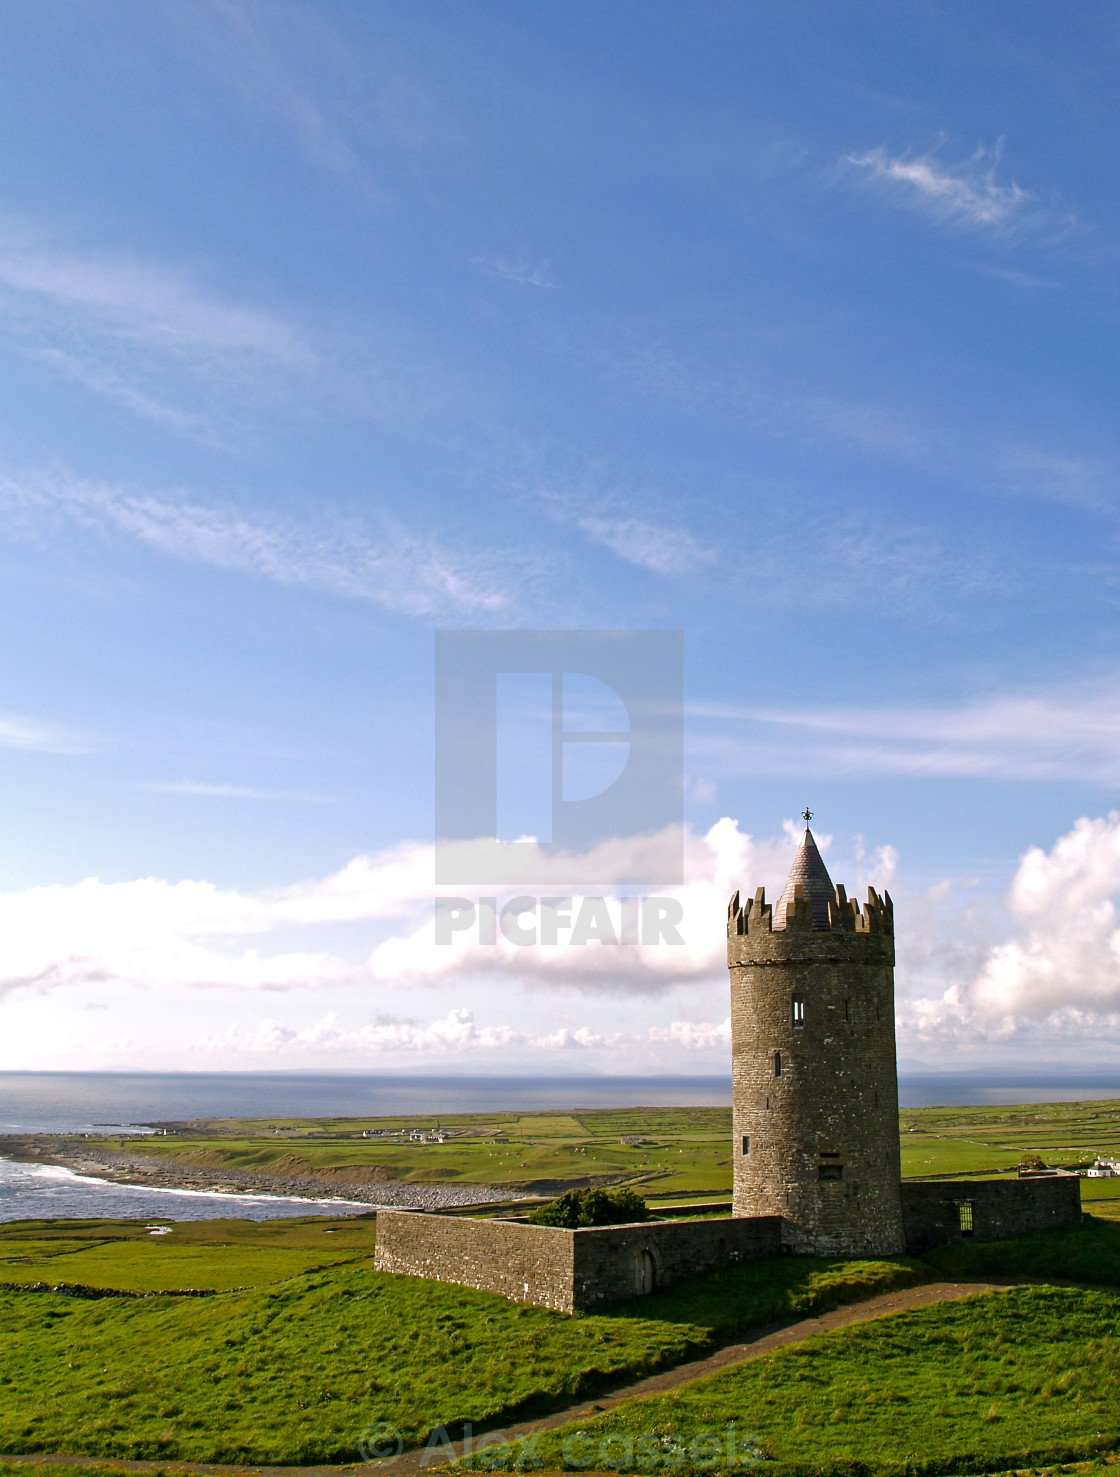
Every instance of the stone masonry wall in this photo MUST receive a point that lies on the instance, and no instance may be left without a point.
(613, 1263)
(932, 1208)
(565, 1270)
(530, 1264)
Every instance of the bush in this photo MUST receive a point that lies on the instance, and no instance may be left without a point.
(592, 1208)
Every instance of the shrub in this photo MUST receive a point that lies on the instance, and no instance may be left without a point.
(592, 1207)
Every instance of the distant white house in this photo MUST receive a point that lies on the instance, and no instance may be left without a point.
(1104, 1169)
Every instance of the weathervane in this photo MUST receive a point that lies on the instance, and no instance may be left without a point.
(807, 816)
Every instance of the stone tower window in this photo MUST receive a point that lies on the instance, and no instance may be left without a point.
(746, 1144)
(777, 1064)
(831, 1171)
(847, 1016)
(965, 1209)
(798, 1012)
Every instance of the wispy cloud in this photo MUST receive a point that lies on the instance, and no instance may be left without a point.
(965, 194)
(143, 303)
(1061, 733)
(46, 738)
(237, 792)
(144, 334)
(398, 571)
(533, 275)
(246, 48)
(660, 550)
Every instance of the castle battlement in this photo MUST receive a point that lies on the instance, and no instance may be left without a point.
(756, 915)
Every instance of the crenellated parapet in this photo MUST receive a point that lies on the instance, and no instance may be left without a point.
(851, 931)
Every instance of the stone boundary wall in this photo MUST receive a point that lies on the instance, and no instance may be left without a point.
(566, 1270)
(530, 1264)
(613, 1263)
(931, 1209)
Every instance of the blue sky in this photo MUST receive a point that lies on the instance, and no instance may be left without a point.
(324, 326)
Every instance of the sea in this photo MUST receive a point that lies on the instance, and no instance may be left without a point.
(105, 1102)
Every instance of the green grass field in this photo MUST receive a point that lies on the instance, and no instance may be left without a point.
(1009, 1379)
(301, 1344)
(294, 1371)
(963, 1140)
(685, 1153)
(219, 1255)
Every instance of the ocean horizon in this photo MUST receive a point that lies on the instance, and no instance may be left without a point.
(88, 1102)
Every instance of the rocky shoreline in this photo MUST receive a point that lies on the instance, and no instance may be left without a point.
(85, 1157)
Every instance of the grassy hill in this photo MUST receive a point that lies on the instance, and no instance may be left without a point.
(293, 1368)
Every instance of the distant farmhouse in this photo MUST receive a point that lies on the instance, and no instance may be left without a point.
(1104, 1169)
(815, 1122)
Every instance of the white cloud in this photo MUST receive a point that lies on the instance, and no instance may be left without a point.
(965, 194)
(1054, 982)
(1058, 733)
(147, 336)
(695, 1035)
(237, 792)
(18, 732)
(1050, 984)
(157, 935)
(249, 55)
(399, 572)
(661, 550)
(145, 304)
(457, 1034)
(538, 275)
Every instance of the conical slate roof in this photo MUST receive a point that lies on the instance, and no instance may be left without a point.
(808, 871)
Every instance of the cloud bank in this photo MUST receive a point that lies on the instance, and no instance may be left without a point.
(1054, 981)
(976, 979)
(152, 933)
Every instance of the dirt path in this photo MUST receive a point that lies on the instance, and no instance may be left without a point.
(763, 1341)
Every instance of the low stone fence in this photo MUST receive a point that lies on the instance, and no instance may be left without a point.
(566, 1270)
(937, 1212)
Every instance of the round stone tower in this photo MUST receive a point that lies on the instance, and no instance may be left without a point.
(815, 1084)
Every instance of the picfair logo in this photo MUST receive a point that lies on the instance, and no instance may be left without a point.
(550, 745)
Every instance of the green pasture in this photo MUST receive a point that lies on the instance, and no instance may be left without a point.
(302, 1344)
(686, 1150)
(1010, 1379)
(294, 1371)
(960, 1139)
(218, 1254)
